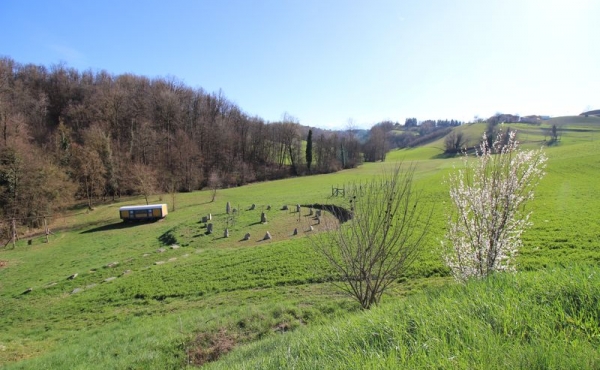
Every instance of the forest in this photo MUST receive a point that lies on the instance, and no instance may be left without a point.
(71, 136)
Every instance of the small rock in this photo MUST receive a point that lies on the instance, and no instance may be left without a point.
(269, 207)
(50, 284)
(267, 236)
(159, 262)
(247, 236)
(298, 208)
(72, 276)
(311, 212)
(112, 264)
(228, 208)
(108, 280)
(318, 213)
(226, 233)
(161, 250)
(77, 290)
(295, 231)
(90, 286)
(263, 218)
(284, 208)
(204, 219)
(172, 259)
(126, 272)
(209, 228)
(310, 228)
(186, 255)
(174, 246)
(27, 291)
(145, 254)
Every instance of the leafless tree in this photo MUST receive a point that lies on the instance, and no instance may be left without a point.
(454, 141)
(382, 238)
(214, 182)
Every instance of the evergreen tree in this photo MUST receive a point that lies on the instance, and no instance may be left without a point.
(309, 150)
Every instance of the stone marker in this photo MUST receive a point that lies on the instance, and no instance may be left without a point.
(209, 228)
(76, 290)
(186, 255)
(318, 220)
(310, 228)
(295, 231)
(145, 254)
(112, 264)
(228, 208)
(318, 213)
(311, 212)
(172, 259)
(204, 219)
(175, 246)
(108, 280)
(226, 233)
(90, 286)
(252, 207)
(72, 276)
(284, 208)
(161, 250)
(126, 272)
(269, 207)
(209, 217)
(27, 291)
(159, 262)
(263, 218)
(267, 236)
(247, 236)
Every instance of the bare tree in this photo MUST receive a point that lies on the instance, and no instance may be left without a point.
(144, 180)
(454, 141)
(382, 238)
(214, 183)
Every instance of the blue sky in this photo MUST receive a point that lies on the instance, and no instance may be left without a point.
(328, 62)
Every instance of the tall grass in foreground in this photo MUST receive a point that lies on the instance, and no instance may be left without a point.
(543, 320)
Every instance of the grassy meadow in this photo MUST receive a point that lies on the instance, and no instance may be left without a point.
(167, 295)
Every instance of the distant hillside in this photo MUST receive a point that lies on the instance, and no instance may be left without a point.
(591, 113)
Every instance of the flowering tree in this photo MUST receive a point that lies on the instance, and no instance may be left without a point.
(488, 218)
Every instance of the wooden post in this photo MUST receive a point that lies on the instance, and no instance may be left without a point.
(47, 231)
(14, 232)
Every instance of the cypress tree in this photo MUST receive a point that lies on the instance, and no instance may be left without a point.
(309, 150)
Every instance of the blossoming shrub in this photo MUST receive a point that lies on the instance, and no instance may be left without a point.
(488, 197)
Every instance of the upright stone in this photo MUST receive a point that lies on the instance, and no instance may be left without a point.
(209, 228)
(318, 220)
(311, 212)
(263, 218)
(226, 233)
(228, 208)
(269, 207)
(267, 236)
(252, 207)
(298, 208)
(284, 208)
(318, 213)
(295, 231)
(310, 228)
(209, 217)
(247, 236)
(204, 219)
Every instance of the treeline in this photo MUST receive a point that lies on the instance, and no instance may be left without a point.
(67, 135)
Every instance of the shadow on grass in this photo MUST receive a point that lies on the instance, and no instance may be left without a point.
(115, 226)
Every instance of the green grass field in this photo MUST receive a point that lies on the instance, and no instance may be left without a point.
(165, 307)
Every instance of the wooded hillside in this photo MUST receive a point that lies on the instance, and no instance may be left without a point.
(70, 135)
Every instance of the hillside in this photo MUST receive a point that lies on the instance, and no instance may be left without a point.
(167, 295)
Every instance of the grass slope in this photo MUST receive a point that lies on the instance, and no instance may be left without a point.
(167, 307)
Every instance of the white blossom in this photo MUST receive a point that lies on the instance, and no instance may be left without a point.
(489, 194)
